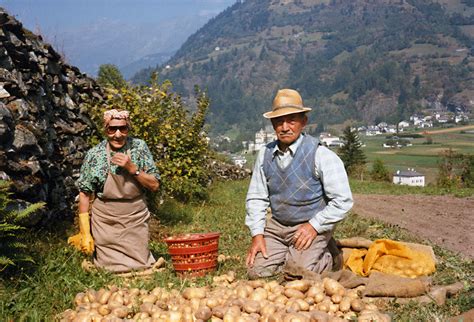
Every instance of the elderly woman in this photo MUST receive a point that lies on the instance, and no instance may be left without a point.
(116, 172)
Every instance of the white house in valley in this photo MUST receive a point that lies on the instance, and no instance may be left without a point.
(409, 177)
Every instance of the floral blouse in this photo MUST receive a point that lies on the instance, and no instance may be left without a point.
(94, 169)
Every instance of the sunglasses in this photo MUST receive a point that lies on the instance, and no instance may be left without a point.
(112, 129)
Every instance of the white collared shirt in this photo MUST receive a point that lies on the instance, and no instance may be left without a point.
(329, 168)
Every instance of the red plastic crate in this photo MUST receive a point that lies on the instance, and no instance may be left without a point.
(194, 254)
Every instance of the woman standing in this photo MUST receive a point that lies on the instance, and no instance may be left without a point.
(114, 175)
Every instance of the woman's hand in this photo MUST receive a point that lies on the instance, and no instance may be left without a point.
(124, 161)
(146, 180)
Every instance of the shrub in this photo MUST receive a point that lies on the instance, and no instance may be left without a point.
(11, 244)
(379, 171)
(174, 136)
(455, 170)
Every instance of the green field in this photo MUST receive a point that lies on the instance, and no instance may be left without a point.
(422, 157)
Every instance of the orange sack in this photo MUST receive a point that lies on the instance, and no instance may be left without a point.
(391, 257)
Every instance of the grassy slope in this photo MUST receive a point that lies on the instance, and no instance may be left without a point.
(43, 291)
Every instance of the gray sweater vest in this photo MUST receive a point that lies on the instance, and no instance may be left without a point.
(296, 194)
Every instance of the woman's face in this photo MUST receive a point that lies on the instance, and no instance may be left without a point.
(117, 132)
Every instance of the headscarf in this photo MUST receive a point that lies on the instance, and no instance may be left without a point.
(116, 114)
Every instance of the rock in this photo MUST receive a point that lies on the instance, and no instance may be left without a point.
(43, 123)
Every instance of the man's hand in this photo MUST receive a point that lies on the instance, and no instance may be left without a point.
(304, 236)
(124, 161)
(258, 245)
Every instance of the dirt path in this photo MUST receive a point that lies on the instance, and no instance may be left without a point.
(444, 220)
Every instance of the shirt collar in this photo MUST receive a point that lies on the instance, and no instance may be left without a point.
(292, 148)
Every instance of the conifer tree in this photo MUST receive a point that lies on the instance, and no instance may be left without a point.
(351, 153)
(110, 76)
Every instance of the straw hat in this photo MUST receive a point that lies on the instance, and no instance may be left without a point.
(287, 101)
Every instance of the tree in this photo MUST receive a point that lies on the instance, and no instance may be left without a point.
(455, 170)
(351, 153)
(109, 76)
(175, 137)
(379, 171)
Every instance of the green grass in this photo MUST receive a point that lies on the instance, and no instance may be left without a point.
(388, 188)
(42, 291)
(422, 157)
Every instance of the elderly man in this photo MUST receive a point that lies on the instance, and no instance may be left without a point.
(306, 187)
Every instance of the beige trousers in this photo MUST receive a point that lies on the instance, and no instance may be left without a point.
(278, 237)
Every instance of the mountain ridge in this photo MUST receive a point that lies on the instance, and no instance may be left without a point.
(360, 60)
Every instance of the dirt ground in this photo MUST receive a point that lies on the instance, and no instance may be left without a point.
(444, 220)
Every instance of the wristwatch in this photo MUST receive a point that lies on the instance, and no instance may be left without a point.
(136, 173)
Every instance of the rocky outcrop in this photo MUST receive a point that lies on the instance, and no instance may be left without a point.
(44, 127)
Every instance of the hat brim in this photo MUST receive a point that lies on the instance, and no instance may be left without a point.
(285, 111)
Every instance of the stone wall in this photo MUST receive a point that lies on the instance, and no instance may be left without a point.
(44, 128)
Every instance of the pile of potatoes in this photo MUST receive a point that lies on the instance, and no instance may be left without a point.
(228, 300)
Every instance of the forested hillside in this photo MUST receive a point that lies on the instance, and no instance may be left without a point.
(365, 60)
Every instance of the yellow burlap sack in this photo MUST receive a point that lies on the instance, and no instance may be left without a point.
(390, 257)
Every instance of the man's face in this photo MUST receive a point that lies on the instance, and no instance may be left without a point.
(117, 132)
(289, 127)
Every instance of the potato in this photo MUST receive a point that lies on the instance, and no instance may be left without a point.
(242, 291)
(272, 285)
(91, 295)
(304, 306)
(219, 311)
(369, 316)
(292, 306)
(251, 306)
(336, 298)
(256, 283)
(332, 287)
(371, 306)
(141, 316)
(292, 293)
(120, 312)
(345, 304)
(267, 309)
(146, 299)
(319, 297)
(203, 313)
(79, 298)
(313, 290)
(319, 316)
(104, 296)
(212, 302)
(281, 299)
(300, 285)
(194, 293)
(333, 307)
(357, 305)
(352, 294)
(324, 306)
(276, 317)
(258, 294)
(295, 317)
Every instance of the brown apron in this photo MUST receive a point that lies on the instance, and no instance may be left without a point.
(120, 224)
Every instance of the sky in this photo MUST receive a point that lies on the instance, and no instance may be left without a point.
(94, 32)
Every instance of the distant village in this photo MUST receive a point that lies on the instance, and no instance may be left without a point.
(415, 122)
